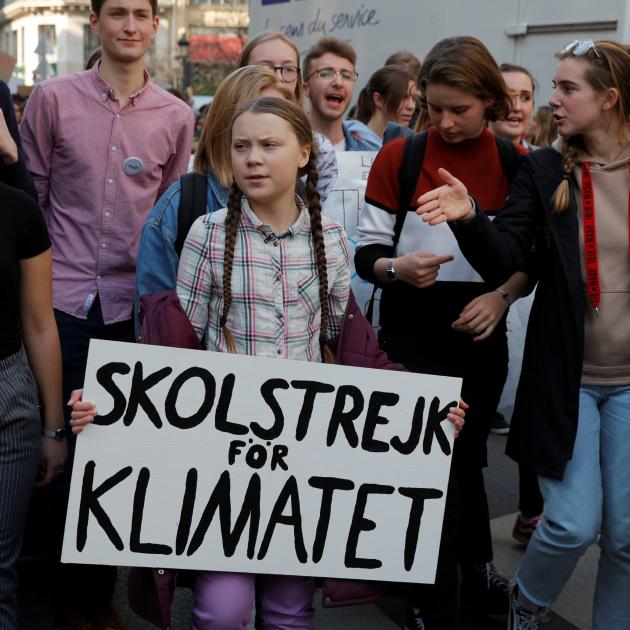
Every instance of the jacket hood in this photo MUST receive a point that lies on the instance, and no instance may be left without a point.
(622, 160)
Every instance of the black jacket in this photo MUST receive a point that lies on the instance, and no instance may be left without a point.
(15, 175)
(544, 423)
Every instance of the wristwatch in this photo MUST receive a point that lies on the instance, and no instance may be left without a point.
(505, 295)
(57, 434)
(390, 271)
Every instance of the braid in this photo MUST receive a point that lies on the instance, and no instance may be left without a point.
(315, 212)
(561, 197)
(232, 220)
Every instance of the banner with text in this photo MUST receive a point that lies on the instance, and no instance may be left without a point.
(202, 460)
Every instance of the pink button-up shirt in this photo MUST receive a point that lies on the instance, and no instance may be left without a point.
(98, 169)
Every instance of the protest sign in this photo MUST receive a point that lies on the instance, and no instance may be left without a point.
(202, 460)
(344, 205)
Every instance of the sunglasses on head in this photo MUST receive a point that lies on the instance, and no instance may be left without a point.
(580, 47)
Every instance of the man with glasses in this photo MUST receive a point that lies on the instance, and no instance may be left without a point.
(329, 76)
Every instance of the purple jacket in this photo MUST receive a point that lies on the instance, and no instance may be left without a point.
(151, 591)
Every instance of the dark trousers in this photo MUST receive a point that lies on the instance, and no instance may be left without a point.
(466, 537)
(19, 458)
(530, 501)
(79, 587)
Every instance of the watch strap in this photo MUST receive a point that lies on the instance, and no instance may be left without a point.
(56, 434)
(505, 295)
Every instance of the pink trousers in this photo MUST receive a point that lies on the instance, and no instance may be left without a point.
(225, 601)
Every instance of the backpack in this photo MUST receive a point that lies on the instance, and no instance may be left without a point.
(409, 171)
(192, 204)
(162, 319)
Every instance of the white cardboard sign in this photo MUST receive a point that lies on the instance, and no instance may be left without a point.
(225, 462)
(344, 205)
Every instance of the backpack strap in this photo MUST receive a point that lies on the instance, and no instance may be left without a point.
(408, 174)
(509, 156)
(192, 204)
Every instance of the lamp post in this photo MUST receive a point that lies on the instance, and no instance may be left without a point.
(184, 45)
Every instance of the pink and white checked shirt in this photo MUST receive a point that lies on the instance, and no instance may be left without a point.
(275, 308)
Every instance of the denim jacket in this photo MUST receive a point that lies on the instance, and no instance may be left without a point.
(157, 261)
(355, 140)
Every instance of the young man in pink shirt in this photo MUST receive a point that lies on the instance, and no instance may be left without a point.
(102, 145)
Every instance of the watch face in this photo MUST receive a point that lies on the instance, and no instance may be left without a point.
(391, 273)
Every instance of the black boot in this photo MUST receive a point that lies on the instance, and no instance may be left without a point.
(484, 591)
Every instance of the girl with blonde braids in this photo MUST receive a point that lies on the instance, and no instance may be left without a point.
(571, 423)
(266, 276)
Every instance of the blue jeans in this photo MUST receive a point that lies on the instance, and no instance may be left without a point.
(592, 499)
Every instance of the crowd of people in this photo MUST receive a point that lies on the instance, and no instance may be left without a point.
(474, 200)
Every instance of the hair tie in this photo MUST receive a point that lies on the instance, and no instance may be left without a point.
(566, 177)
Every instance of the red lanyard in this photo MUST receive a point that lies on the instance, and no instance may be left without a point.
(590, 237)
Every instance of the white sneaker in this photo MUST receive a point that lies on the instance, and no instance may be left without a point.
(520, 618)
(414, 620)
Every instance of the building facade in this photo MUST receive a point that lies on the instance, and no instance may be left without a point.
(53, 37)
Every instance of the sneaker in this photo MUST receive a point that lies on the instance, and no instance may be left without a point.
(498, 424)
(414, 620)
(524, 528)
(485, 592)
(522, 619)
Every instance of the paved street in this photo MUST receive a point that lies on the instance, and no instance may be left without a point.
(572, 611)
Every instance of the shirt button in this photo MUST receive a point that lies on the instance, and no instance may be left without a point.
(117, 115)
(110, 180)
(279, 314)
(108, 214)
(278, 277)
(279, 351)
(275, 243)
(99, 277)
(113, 148)
(103, 245)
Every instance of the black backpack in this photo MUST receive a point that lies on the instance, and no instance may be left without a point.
(409, 171)
(192, 204)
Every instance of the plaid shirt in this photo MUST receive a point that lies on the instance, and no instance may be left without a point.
(275, 308)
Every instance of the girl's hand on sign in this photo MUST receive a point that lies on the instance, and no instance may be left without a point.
(83, 411)
(420, 269)
(481, 315)
(446, 203)
(456, 416)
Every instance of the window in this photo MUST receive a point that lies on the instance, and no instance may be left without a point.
(90, 42)
(47, 39)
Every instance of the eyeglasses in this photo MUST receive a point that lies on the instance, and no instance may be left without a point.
(288, 73)
(580, 47)
(329, 74)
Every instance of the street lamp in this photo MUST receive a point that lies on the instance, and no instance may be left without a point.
(184, 45)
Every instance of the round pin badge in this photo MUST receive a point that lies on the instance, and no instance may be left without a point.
(133, 166)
